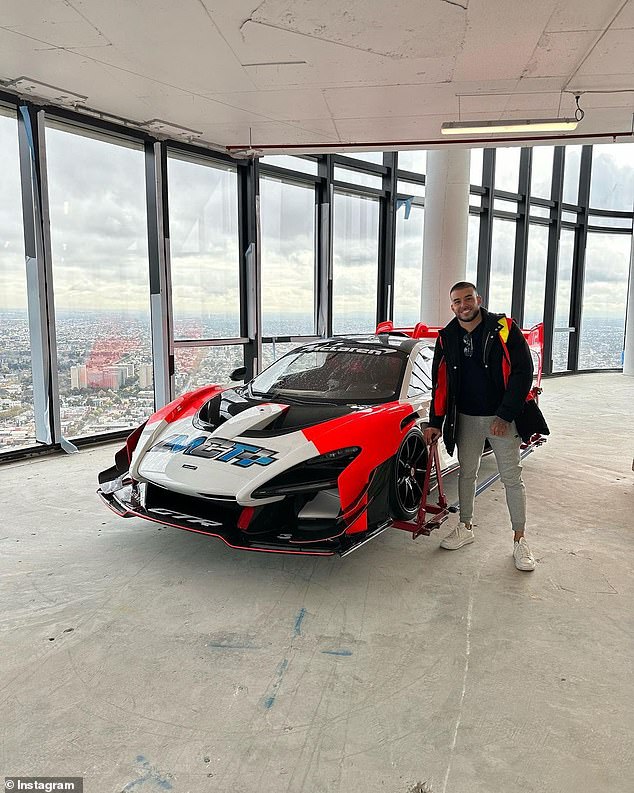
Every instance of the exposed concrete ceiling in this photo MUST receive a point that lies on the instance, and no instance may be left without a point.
(324, 74)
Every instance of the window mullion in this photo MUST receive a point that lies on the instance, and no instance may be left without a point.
(39, 273)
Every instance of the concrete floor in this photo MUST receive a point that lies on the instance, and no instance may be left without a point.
(148, 659)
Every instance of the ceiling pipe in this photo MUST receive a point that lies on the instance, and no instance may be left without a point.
(261, 148)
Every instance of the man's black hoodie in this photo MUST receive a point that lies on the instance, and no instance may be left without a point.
(508, 363)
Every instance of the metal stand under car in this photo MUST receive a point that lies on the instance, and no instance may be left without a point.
(432, 515)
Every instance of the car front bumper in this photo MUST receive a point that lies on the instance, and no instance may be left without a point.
(189, 514)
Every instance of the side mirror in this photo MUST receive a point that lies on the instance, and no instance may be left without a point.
(238, 374)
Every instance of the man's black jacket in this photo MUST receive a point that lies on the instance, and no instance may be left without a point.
(508, 363)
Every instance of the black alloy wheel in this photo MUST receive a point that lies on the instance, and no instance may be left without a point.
(408, 476)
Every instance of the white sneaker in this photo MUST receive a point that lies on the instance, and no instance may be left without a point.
(524, 559)
(460, 536)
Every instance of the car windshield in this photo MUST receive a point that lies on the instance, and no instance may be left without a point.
(337, 373)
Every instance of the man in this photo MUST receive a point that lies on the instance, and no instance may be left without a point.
(482, 373)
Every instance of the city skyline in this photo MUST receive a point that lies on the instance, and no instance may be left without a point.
(105, 371)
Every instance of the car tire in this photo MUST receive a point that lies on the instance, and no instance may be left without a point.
(408, 475)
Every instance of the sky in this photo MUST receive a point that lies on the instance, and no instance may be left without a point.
(99, 235)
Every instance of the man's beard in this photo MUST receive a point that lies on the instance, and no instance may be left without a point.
(471, 317)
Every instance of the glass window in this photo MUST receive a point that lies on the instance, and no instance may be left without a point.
(292, 163)
(612, 180)
(473, 242)
(564, 278)
(475, 167)
(501, 274)
(542, 171)
(507, 168)
(17, 423)
(572, 164)
(100, 273)
(604, 300)
(561, 345)
(569, 217)
(357, 177)
(368, 156)
(203, 211)
(539, 212)
(561, 338)
(610, 222)
(410, 188)
(415, 161)
(200, 366)
(355, 263)
(420, 381)
(272, 351)
(504, 206)
(408, 266)
(287, 217)
(536, 256)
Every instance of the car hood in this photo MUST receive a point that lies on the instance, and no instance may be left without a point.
(231, 445)
(295, 415)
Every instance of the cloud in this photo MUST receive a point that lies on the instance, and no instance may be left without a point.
(572, 164)
(612, 181)
(542, 171)
(99, 235)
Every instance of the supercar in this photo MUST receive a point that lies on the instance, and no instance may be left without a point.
(317, 454)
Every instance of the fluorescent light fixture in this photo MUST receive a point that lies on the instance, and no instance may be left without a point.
(510, 125)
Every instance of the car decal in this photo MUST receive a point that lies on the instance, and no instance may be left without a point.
(221, 450)
(170, 513)
(335, 347)
(234, 452)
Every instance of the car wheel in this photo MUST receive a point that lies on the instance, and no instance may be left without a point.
(408, 476)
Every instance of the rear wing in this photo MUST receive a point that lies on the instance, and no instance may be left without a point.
(419, 331)
(534, 338)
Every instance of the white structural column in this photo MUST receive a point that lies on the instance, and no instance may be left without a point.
(446, 227)
(628, 356)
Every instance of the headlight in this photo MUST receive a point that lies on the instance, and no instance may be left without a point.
(318, 473)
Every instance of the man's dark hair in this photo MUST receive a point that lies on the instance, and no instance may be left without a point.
(463, 285)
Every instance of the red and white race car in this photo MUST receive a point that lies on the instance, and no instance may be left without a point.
(317, 454)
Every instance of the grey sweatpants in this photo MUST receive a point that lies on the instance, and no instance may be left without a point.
(472, 433)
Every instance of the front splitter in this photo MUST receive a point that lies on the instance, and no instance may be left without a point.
(231, 536)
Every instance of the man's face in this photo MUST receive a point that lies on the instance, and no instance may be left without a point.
(465, 304)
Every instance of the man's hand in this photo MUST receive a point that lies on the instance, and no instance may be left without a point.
(431, 434)
(499, 426)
